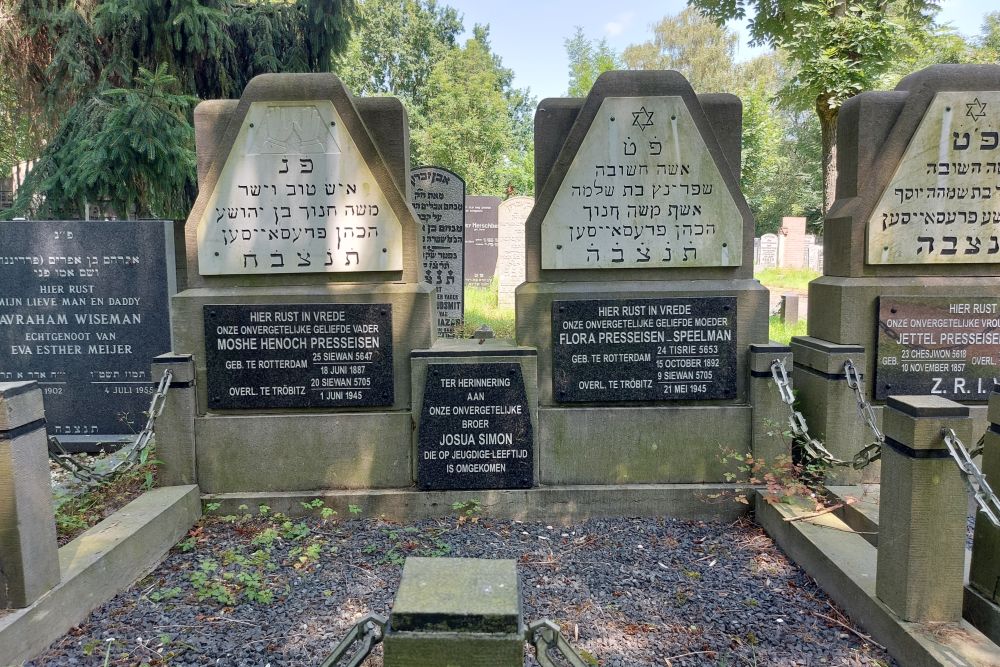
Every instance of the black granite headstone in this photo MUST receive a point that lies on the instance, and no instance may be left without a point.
(475, 428)
(298, 355)
(943, 346)
(644, 349)
(482, 224)
(84, 308)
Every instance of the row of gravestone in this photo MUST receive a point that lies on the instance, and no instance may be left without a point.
(791, 248)
(306, 329)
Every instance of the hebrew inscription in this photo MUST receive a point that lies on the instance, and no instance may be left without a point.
(643, 191)
(943, 203)
(439, 202)
(296, 196)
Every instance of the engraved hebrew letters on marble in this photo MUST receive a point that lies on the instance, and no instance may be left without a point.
(295, 195)
(643, 191)
(942, 205)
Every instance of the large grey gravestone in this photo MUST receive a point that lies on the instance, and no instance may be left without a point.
(513, 213)
(639, 292)
(481, 241)
(304, 294)
(439, 200)
(910, 252)
(84, 308)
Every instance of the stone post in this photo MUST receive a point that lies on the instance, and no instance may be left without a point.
(770, 413)
(790, 309)
(921, 546)
(984, 575)
(29, 553)
(175, 427)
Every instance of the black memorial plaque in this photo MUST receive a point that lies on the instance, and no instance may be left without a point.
(943, 346)
(644, 349)
(299, 356)
(84, 308)
(475, 428)
(482, 228)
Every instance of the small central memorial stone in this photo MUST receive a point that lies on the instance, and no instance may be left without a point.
(642, 191)
(475, 428)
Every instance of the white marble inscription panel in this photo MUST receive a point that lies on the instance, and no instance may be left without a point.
(642, 192)
(942, 205)
(296, 196)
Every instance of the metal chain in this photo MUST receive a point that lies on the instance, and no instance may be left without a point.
(974, 478)
(812, 447)
(872, 452)
(134, 453)
(545, 635)
(367, 633)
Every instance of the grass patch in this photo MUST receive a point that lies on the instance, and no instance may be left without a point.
(779, 278)
(778, 331)
(75, 514)
(481, 308)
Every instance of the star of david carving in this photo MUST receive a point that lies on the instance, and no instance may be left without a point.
(976, 109)
(642, 118)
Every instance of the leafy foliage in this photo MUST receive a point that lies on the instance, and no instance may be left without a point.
(90, 72)
(587, 61)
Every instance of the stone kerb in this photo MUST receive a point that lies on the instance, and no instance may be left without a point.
(29, 556)
(922, 511)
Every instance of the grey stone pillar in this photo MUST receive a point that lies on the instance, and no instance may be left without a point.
(922, 511)
(984, 575)
(790, 309)
(175, 440)
(456, 611)
(828, 404)
(770, 413)
(29, 553)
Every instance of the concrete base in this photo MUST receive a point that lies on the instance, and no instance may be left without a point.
(843, 564)
(99, 564)
(452, 649)
(860, 510)
(563, 504)
(982, 613)
(641, 445)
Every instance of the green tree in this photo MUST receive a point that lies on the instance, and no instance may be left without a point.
(989, 41)
(838, 48)
(470, 127)
(112, 81)
(587, 61)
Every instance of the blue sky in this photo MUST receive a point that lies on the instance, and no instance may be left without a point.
(529, 34)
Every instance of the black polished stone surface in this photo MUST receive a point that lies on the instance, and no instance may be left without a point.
(482, 224)
(475, 428)
(939, 346)
(84, 308)
(298, 356)
(644, 349)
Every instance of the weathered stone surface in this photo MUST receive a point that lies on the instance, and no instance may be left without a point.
(439, 201)
(984, 573)
(769, 250)
(943, 200)
(512, 213)
(642, 189)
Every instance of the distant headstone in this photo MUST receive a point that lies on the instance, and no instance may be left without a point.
(295, 195)
(768, 250)
(439, 201)
(792, 243)
(756, 252)
(475, 428)
(816, 258)
(642, 191)
(942, 204)
(481, 222)
(84, 308)
(513, 213)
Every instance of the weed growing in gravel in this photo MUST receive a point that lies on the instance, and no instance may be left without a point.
(410, 541)
(468, 510)
(783, 479)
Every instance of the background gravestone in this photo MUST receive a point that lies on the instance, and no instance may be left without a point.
(439, 201)
(910, 267)
(792, 243)
(769, 250)
(513, 213)
(481, 241)
(304, 294)
(84, 308)
(639, 292)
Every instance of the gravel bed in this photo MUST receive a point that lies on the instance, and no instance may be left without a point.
(627, 592)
